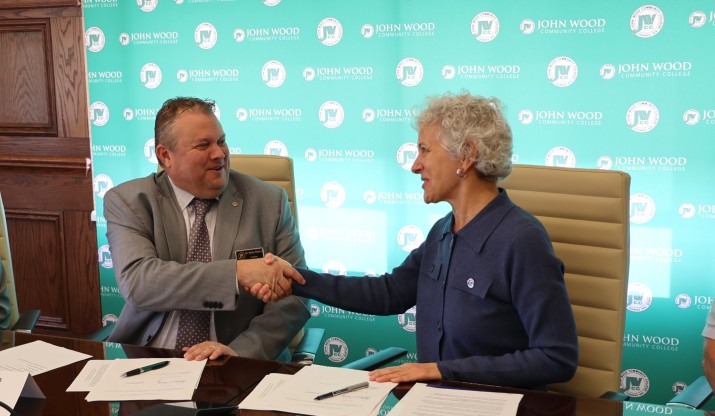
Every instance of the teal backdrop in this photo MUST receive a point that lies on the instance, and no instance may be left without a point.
(621, 85)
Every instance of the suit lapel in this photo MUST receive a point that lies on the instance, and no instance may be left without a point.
(230, 207)
(174, 225)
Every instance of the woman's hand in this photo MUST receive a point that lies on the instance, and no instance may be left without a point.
(209, 349)
(406, 373)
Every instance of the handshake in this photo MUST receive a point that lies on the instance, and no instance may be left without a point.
(269, 278)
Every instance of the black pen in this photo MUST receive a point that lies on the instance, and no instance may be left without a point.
(145, 369)
(347, 389)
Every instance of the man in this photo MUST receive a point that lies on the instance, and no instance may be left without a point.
(159, 239)
(709, 348)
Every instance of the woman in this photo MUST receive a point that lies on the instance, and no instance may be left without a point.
(491, 302)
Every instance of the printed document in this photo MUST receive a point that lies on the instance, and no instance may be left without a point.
(176, 381)
(296, 393)
(423, 400)
(38, 357)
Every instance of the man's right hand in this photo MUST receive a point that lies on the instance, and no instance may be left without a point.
(269, 278)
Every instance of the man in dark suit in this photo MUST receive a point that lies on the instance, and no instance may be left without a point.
(148, 228)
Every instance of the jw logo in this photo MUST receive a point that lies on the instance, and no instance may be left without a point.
(409, 72)
(561, 161)
(640, 117)
(560, 72)
(634, 382)
(329, 32)
(274, 151)
(483, 28)
(408, 320)
(273, 74)
(645, 22)
(406, 155)
(205, 36)
(335, 349)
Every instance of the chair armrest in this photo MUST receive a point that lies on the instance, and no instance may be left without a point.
(378, 359)
(615, 395)
(102, 333)
(27, 320)
(304, 352)
(693, 396)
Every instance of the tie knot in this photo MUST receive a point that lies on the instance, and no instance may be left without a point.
(202, 206)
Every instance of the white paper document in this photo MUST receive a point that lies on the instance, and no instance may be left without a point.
(176, 381)
(296, 393)
(90, 375)
(38, 357)
(423, 400)
(16, 384)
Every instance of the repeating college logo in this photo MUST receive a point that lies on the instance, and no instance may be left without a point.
(562, 71)
(410, 237)
(98, 113)
(563, 26)
(273, 74)
(94, 39)
(691, 117)
(330, 31)
(697, 19)
(340, 155)
(101, 184)
(275, 147)
(562, 118)
(489, 71)
(643, 163)
(208, 75)
(408, 320)
(392, 198)
(335, 268)
(642, 116)
(147, 5)
(271, 3)
(653, 255)
(526, 117)
(109, 150)
(651, 342)
(105, 77)
(647, 21)
(703, 211)
(269, 114)
(266, 34)
(105, 257)
(150, 151)
(485, 27)
(143, 114)
(409, 72)
(332, 194)
(91, 4)
(109, 319)
(683, 301)
(314, 310)
(344, 73)
(639, 297)
(406, 155)
(331, 114)
(205, 35)
(396, 30)
(149, 38)
(388, 115)
(634, 382)
(642, 208)
(665, 69)
(560, 157)
(150, 75)
(335, 349)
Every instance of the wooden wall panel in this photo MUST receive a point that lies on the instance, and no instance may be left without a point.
(45, 170)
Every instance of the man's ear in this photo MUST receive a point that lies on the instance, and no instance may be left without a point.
(162, 153)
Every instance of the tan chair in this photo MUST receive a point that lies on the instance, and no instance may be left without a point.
(269, 168)
(586, 213)
(26, 321)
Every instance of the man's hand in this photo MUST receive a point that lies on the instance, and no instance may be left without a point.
(267, 279)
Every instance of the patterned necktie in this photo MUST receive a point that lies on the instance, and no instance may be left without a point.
(194, 325)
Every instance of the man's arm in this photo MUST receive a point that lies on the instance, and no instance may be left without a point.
(709, 361)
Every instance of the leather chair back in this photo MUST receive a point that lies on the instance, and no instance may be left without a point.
(269, 168)
(586, 213)
(7, 266)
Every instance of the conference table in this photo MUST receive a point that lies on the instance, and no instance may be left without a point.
(230, 379)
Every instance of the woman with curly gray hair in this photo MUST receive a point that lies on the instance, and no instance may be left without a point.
(489, 291)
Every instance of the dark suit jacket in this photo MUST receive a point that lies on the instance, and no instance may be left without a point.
(148, 242)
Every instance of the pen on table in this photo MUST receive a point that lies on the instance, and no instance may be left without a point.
(344, 390)
(145, 369)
